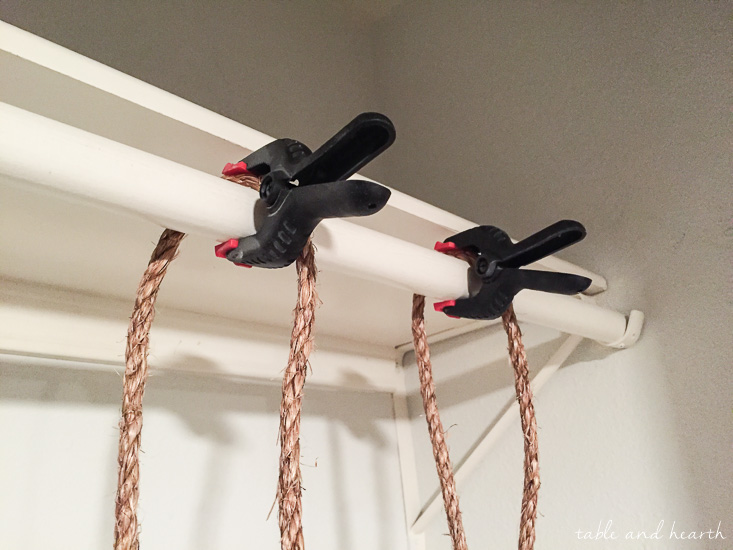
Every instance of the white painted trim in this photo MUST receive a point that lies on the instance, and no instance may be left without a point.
(484, 445)
(406, 450)
(63, 326)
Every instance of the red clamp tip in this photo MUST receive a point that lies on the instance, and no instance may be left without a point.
(222, 249)
(440, 306)
(445, 247)
(236, 169)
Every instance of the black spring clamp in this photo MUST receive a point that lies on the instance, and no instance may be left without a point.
(299, 188)
(495, 277)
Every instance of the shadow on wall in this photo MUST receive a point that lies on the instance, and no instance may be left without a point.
(207, 409)
(103, 387)
(484, 389)
(489, 377)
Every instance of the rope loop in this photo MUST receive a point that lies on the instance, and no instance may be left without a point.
(126, 535)
(531, 486)
(435, 426)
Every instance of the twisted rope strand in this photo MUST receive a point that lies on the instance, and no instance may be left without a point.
(435, 426)
(253, 182)
(531, 486)
(518, 357)
(136, 374)
(289, 489)
(301, 344)
(126, 536)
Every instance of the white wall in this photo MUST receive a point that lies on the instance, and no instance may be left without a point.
(209, 462)
(616, 114)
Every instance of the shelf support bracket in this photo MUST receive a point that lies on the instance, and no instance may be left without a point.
(484, 445)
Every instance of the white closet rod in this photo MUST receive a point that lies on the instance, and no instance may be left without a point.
(63, 159)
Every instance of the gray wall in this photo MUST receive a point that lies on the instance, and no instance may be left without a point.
(289, 69)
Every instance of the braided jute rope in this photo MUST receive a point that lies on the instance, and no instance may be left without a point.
(126, 536)
(290, 507)
(133, 388)
(518, 358)
(289, 489)
(435, 428)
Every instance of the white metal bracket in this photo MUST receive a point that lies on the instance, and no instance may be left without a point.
(634, 324)
(482, 447)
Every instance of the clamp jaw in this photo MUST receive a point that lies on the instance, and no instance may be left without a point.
(495, 263)
(299, 188)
